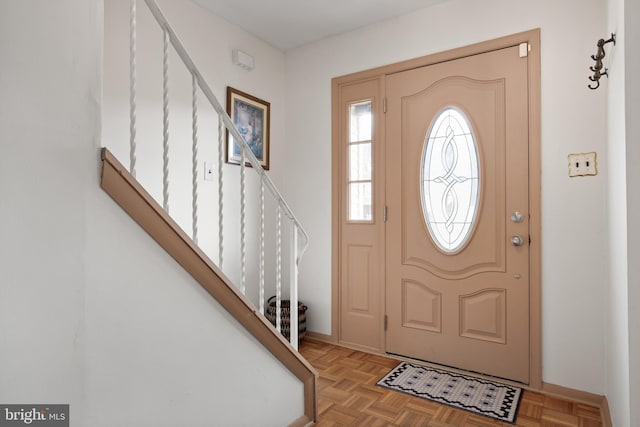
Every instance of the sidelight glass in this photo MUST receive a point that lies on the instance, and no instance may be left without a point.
(360, 162)
(360, 122)
(360, 201)
(450, 180)
(359, 174)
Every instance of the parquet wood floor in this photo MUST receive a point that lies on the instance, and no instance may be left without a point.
(348, 396)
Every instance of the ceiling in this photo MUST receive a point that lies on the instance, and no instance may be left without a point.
(287, 24)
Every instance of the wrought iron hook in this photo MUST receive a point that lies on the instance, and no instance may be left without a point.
(598, 57)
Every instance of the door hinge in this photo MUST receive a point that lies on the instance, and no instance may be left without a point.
(386, 322)
(529, 240)
(384, 104)
(524, 50)
(384, 214)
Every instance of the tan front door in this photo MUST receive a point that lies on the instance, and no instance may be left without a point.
(457, 236)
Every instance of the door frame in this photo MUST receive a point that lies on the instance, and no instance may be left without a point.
(532, 37)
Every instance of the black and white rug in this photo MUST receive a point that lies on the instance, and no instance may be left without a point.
(483, 397)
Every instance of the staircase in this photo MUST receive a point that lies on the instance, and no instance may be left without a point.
(260, 224)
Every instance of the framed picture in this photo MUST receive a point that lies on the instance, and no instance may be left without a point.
(251, 116)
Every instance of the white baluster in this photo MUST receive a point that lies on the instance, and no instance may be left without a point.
(194, 158)
(133, 16)
(165, 123)
(243, 223)
(224, 122)
(246, 156)
(261, 284)
(278, 268)
(293, 284)
(221, 130)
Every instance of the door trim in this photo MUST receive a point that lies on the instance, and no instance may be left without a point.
(531, 37)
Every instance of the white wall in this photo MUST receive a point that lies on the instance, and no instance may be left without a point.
(573, 120)
(632, 103)
(92, 312)
(50, 128)
(160, 349)
(617, 332)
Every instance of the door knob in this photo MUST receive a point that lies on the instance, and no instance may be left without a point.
(517, 240)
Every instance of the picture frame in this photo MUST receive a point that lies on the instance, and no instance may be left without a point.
(252, 117)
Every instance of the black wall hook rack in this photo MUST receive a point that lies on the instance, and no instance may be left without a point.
(597, 68)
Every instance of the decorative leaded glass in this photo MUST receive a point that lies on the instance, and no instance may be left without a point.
(450, 180)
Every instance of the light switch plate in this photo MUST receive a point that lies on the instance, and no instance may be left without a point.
(583, 164)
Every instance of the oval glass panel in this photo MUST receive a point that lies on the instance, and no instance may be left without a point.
(450, 180)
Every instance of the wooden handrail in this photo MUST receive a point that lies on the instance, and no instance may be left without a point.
(134, 199)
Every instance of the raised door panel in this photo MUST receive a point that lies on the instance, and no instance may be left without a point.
(359, 285)
(484, 251)
(421, 307)
(483, 315)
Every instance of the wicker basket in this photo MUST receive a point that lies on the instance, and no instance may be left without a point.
(285, 317)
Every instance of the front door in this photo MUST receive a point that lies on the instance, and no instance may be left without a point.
(457, 231)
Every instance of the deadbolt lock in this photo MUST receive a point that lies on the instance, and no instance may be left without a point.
(517, 217)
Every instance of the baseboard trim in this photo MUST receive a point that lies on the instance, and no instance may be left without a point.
(580, 396)
(303, 421)
(329, 339)
(572, 394)
(605, 415)
(317, 336)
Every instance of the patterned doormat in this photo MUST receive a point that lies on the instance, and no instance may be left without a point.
(483, 397)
